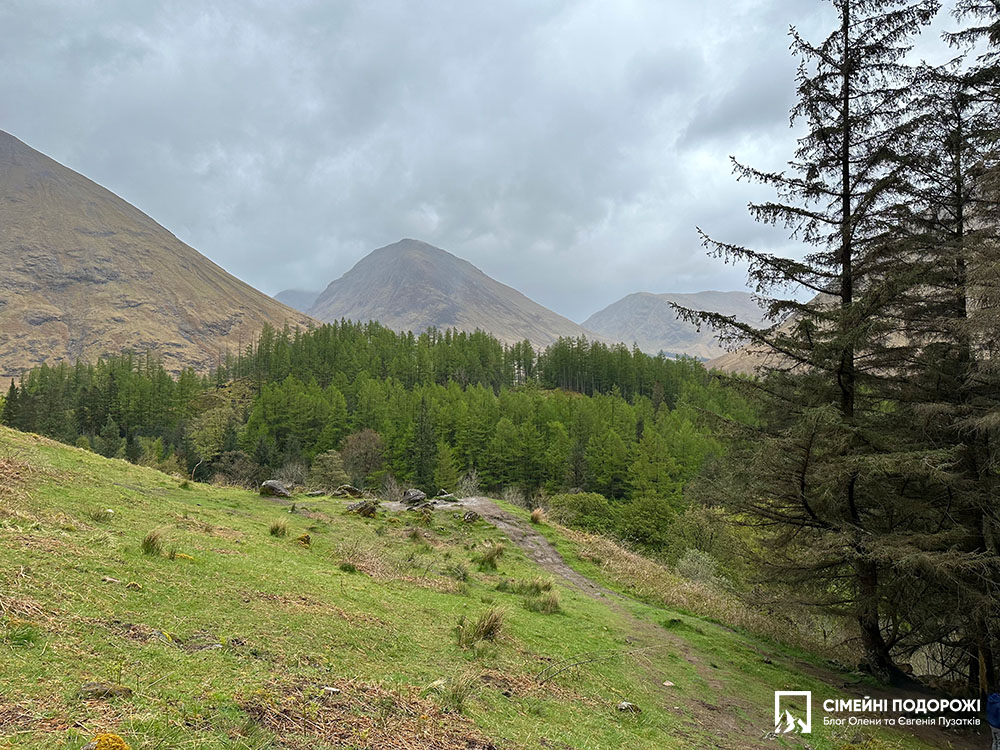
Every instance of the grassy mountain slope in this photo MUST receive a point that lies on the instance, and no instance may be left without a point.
(410, 286)
(83, 273)
(232, 640)
(649, 321)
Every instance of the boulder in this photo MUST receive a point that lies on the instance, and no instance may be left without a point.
(315, 493)
(366, 508)
(628, 707)
(274, 488)
(347, 490)
(470, 516)
(413, 496)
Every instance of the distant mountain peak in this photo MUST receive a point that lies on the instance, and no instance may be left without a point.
(650, 320)
(83, 273)
(411, 285)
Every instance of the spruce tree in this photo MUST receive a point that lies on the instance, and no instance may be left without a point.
(819, 477)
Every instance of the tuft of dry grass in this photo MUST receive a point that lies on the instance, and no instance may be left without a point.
(533, 587)
(279, 529)
(488, 627)
(491, 553)
(152, 543)
(538, 516)
(102, 516)
(546, 605)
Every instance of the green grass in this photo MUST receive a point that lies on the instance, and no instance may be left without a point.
(218, 643)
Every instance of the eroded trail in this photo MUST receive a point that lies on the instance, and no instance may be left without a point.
(727, 714)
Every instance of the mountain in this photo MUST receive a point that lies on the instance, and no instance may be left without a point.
(297, 299)
(83, 273)
(410, 286)
(649, 321)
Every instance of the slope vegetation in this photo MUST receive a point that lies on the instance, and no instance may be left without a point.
(222, 619)
(83, 273)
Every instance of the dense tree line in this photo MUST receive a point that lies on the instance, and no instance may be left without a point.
(873, 476)
(362, 403)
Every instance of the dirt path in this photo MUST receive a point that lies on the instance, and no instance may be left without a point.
(721, 717)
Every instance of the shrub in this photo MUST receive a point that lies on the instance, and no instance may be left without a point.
(279, 529)
(489, 556)
(587, 511)
(468, 485)
(488, 627)
(348, 567)
(514, 496)
(699, 566)
(294, 473)
(537, 516)
(327, 472)
(152, 543)
(392, 491)
(238, 469)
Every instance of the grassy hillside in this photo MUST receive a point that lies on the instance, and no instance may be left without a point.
(231, 636)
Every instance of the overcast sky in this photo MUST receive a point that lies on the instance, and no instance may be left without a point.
(568, 149)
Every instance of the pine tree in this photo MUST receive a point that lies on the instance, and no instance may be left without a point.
(827, 363)
(10, 414)
(445, 471)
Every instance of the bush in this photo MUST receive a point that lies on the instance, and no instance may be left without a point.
(468, 485)
(699, 566)
(152, 543)
(238, 469)
(327, 472)
(515, 496)
(279, 529)
(587, 511)
(537, 516)
(294, 473)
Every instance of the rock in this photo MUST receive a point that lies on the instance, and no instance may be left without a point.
(315, 493)
(470, 516)
(274, 488)
(109, 579)
(347, 490)
(668, 683)
(331, 691)
(444, 495)
(630, 708)
(366, 508)
(95, 690)
(413, 496)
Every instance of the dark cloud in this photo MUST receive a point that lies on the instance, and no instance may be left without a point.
(567, 148)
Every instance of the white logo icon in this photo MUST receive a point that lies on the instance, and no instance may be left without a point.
(785, 719)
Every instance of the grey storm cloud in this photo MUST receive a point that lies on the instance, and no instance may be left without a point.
(567, 148)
